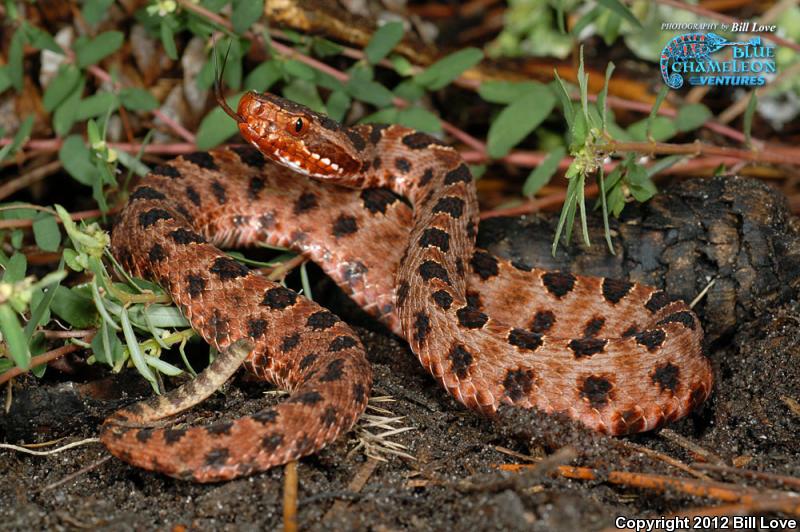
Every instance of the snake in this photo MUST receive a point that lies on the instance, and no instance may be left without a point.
(390, 214)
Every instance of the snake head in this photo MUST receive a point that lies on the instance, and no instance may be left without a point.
(295, 136)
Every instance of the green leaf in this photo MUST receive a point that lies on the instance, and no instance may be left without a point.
(748, 116)
(566, 102)
(692, 116)
(477, 170)
(215, 6)
(654, 111)
(71, 257)
(604, 203)
(541, 175)
(76, 158)
(96, 105)
(93, 11)
(383, 41)
(41, 308)
(338, 103)
(369, 91)
(448, 68)
(163, 316)
(263, 76)
(245, 14)
(402, 65)
(15, 59)
(217, 126)
(21, 136)
(16, 238)
(409, 91)
(5, 80)
(16, 268)
(106, 346)
(93, 133)
(14, 337)
(616, 200)
(61, 86)
(583, 88)
(168, 39)
(133, 163)
(620, 9)
(46, 232)
(419, 118)
(662, 129)
(325, 48)
(135, 99)
(639, 182)
(135, 351)
(383, 116)
(601, 99)
(507, 91)
(90, 51)
(299, 70)
(41, 40)
(326, 81)
(64, 116)
(304, 93)
(517, 120)
(163, 367)
(567, 217)
(75, 306)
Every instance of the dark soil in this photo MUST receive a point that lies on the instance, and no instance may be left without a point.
(736, 231)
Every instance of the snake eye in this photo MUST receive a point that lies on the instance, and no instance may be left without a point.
(298, 127)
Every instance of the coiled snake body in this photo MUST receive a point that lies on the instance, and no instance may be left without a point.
(617, 356)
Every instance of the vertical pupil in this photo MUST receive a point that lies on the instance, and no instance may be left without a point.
(298, 126)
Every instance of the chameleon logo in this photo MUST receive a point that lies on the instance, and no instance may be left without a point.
(692, 48)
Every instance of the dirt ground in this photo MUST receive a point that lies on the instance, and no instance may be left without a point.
(752, 420)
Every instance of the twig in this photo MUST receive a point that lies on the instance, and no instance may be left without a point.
(184, 133)
(355, 486)
(674, 462)
(47, 333)
(27, 179)
(702, 293)
(616, 102)
(75, 216)
(721, 491)
(792, 403)
(290, 497)
(690, 446)
(700, 148)
(76, 474)
(280, 271)
(783, 480)
(52, 145)
(38, 360)
(57, 450)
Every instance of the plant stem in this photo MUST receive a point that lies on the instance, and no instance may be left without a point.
(44, 358)
(700, 148)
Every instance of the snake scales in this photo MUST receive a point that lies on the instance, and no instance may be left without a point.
(617, 356)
